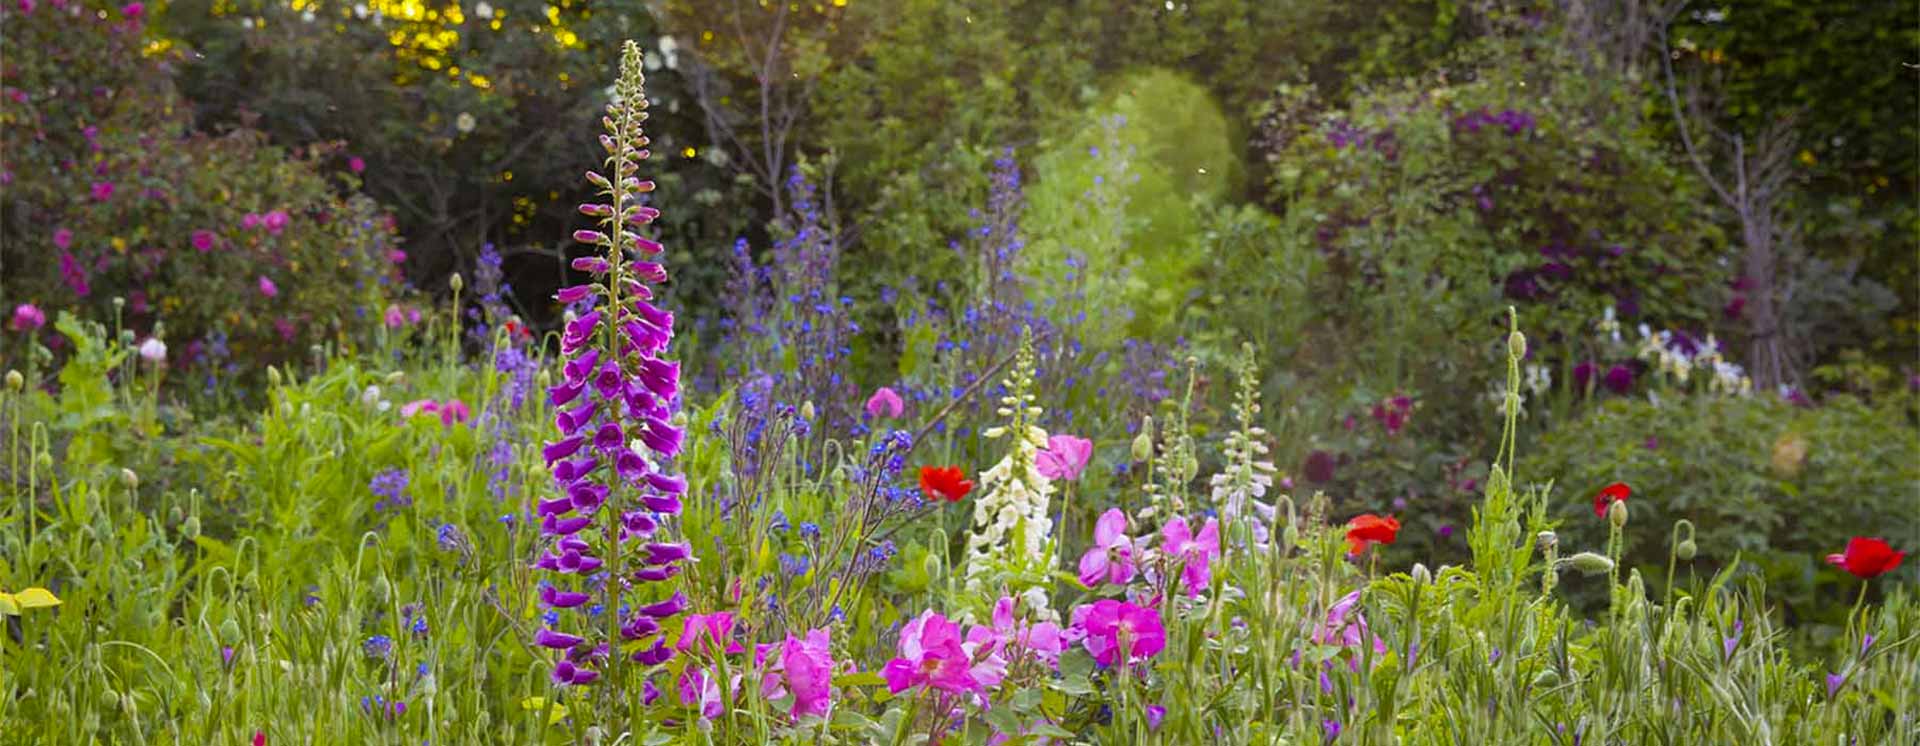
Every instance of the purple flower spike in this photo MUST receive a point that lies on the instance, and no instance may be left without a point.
(663, 438)
(667, 504)
(561, 449)
(547, 638)
(667, 608)
(573, 294)
(667, 483)
(560, 599)
(638, 523)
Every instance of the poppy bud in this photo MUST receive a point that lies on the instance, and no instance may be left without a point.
(130, 479)
(1421, 575)
(273, 376)
(119, 303)
(1547, 677)
(15, 381)
(1291, 535)
(1547, 539)
(230, 633)
(109, 698)
(457, 282)
(1143, 443)
(1517, 345)
(1686, 550)
(191, 527)
(45, 461)
(806, 410)
(1590, 563)
(1617, 514)
(396, 377)
(382, 590)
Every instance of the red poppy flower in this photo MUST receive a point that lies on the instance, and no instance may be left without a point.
(1867, 558)
(944, 482)
(1368, 529)
(1616, 492)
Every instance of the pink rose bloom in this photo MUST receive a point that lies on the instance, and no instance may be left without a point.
(932, 653)
(102, 191)
(267, 288)
(1110, 559)
(62, 238)
(275, 221)
(884, 403)
(203, 241)
(356, 165)
(804, 668)
(1117, 629)
(1064, 458)
(454, 412)
(1195, 552)
(27, 317)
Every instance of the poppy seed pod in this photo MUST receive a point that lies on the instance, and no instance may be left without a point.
(1617, 514)
(1590, 563)
(15, 381)
(1143, 443)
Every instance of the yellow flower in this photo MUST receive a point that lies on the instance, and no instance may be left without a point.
(11, 604)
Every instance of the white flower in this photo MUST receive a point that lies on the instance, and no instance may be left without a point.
(670, 52)
(153, 350)
(464, 123)
(360, 10)
(483, 10)
(1539, 379)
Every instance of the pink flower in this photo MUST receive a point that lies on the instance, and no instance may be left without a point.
(102, 191)
(62, 239)
(1044, 640)
(1194, 552)
(26, 6)
(27, 317)
(700, 688)
(932, 653)
(275, 221)
(267, 288)
(74, 274)
(453, 412)
(1346, 627)
(356, 165)
(1111, 556)
(1064, 458)
(395, 318)
(203, 241)
(250, 221)
(396, 256)
(884, 403)
(133, 10)
(803, 668)
(285, 327)
(716, 626)
(1119, 629)
(419, 406)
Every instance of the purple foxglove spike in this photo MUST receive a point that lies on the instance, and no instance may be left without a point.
(580, 330)
(573, 544)
(561, 449)
(594, 177)
(606, 141)
(663, 438)
(575, 562)
(638, 523)
(609, 439)
(654, 315)
(557, 526)
(593, 210)
(656, 574)
(629, 465)
(556, 507)
(640, 401)
(556, 640)
(645, 340)
(639, 627)
(649, 271)
(587, 497)
(667, 504)
(660, 554)
(579, 369)
(589, 236)
(591, 264)
(579, 416)
(643, 216)
(563, 393)
(636, 290)
(667, 608)
(671, 484)
(560, 599)
(574, 294)
(647, 246)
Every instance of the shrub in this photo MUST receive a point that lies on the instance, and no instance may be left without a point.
(112, 195)
(1761, 479)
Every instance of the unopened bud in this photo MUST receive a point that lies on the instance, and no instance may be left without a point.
(1421, 575)
(230, 633)
(15, 381)
(1617, 514)
(1292, 535)
(1517, 345)
(109, 698)
(382, 590)
(1547, 677)
(806, 410)
(1686, 550)
(457, 282)
(1591, 564)
(273, 375)
(1143, 443)
(130, 479)
(1547, 539)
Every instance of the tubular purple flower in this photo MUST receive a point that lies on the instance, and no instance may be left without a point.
(639, 627)
(574, 294)
(667, 608)
(667, 504)
(638, 523)
(592, 264)
(563, 393)
(589, 236)
(630, 466)
(662, 377)
(663, 438)
(555, 525)
(646, 246)
(596, 211)
(649, 271)
(660, 554)
(655, 655)
(609, 439)
(561, 449)
(547, 638)
(568, 471)
(560, 599)
(667, 483)
(656, 574)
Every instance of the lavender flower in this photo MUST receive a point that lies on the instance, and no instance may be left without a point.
(614, 411)
(391, 486)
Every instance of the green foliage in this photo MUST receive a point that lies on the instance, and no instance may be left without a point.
(113, 195)
(1762, 480)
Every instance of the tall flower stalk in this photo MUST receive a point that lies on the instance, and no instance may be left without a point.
(614, 406)
(1010, 545)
